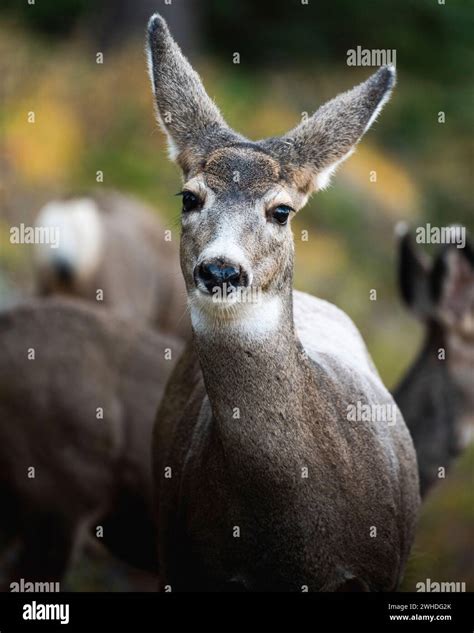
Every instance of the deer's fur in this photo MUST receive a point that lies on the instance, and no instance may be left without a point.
(263, 391)
(88, 470)
(112, 243)
(436, 396)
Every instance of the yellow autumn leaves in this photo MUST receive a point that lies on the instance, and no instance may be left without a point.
(43, 140)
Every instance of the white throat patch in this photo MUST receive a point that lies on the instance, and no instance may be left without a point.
(251, 321)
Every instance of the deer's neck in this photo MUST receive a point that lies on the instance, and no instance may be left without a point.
(434, 410)
(428, 384)
(252, 369)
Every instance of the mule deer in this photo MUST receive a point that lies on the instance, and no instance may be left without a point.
(79, 389)
(262, 482)
(436, 396)
(113, 244)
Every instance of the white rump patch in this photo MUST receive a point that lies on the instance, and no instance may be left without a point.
(81, 236)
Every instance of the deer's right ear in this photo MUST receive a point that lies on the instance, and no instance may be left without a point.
(318, 145)
(414, 269)
(189, 117)
(452, 286)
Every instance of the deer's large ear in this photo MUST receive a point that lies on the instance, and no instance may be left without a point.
(318, 145)
(414, 269)
(189, 117)
(452, 287)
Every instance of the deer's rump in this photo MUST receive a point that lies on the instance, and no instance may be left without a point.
(78, 394)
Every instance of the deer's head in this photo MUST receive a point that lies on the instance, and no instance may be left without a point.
(240, 196)
(440, 292)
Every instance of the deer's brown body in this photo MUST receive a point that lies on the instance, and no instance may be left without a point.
(79, 390)
(247, 470)
(272, 486)
(436, 395)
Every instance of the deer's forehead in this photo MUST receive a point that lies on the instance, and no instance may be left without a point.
(241, 170)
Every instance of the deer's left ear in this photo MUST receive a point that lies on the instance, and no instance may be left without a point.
(414, 270)
(319, 144)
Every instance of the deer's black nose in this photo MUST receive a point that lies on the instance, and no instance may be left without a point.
(215, 273)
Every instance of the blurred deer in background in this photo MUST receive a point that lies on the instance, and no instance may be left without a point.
(436, 397)
(79, 389)
(271, 487)
(116, 245)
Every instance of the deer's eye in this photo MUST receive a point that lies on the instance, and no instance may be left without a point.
(281, 213)
(190, 201)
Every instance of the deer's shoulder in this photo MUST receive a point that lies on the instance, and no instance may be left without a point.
(325, 329)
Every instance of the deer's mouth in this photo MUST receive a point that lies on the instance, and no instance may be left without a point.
(226, 303)
(227, 295)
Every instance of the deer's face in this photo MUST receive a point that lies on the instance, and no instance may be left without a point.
(236, 243)
(239, 196)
